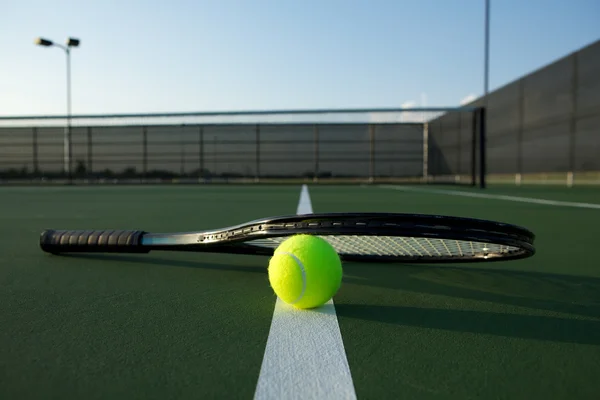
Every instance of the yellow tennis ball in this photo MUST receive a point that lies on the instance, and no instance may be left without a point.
(305, 271)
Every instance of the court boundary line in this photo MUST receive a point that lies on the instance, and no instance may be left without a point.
(304, 355)
(532, 200)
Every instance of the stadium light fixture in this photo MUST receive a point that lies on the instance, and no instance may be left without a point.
(43, 42)
(68, 150)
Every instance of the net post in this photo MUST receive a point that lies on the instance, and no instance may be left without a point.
(474, 122)
(257, 174)
(482, 145)
(34, 138)
(144, 153)
(371, 152)
(90, 153)
(316, 147)
(200, 152)
(425, 152)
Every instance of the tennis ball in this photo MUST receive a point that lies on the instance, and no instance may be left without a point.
(305, 271)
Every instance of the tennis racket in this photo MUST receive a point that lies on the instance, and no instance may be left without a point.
(376, 237)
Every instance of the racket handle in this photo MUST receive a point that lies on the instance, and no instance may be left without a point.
(100, 241)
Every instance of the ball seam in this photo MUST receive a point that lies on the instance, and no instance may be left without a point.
(303, 272)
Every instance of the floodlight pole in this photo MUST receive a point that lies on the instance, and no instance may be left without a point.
(67, 143)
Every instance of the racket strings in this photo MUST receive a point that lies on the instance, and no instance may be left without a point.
(403, 246)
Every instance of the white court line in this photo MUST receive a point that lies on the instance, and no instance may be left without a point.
(305, 356)
(496, 197)
(304, 204)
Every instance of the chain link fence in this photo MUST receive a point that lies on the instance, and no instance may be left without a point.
(356, 146)
(544, 127)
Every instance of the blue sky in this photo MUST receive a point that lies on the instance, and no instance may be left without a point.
(150, 56)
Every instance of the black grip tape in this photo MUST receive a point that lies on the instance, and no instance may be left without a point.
(91, 241)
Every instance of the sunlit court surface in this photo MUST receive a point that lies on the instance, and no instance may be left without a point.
(172, 325)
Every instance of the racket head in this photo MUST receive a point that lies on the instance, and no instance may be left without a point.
(378, 237)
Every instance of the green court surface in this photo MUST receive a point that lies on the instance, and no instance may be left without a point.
(173, 325)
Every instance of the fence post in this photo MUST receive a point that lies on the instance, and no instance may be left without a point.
(474, 125)
(443, 168)
(458, 135)
(521, 121)
(372, 153)
(90, 151)
(257, 174)
(573, 122)
(482, 147)
(316, 147)
(144, 153)
(179, 176)
(426, 151)
(68, 150)
(181, 152)
(200, 152)
(182, 162)
(35, 152)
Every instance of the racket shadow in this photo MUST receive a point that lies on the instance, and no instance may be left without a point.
(542, 291)
(498, 324)
(167, 262)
